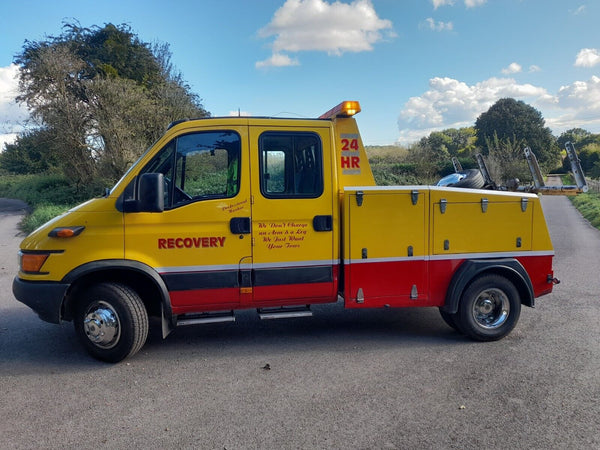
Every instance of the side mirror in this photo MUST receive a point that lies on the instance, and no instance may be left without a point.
(151, 192)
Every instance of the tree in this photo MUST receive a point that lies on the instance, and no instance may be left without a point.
(514, 121)
(576, 136)
(587, 145)
(458, 142)
(32, 152)
(104, 94)
(429, 155)
(506, 161)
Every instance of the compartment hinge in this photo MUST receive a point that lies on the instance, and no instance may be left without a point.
(484, 205)
(360, 296)
(414, 293)
(414, 197)
(359, 198)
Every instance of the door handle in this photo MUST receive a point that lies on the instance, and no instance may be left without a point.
(240, 225)
(323, 223)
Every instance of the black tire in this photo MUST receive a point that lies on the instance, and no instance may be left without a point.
(489, 308)
(111, 321)
(473, 180)
(451, 320)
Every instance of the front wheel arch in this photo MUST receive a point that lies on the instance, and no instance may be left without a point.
(140, 277)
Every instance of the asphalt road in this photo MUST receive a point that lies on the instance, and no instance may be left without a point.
(341, 379)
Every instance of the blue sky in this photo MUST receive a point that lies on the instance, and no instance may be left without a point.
(415, 65)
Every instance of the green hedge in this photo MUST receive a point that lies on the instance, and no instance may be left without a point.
(48, 195)
(589, 207)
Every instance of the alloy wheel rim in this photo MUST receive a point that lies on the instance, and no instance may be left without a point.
(491, 308)
(101, 325)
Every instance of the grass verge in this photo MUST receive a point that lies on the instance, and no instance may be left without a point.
(40, 215)
(589, 207)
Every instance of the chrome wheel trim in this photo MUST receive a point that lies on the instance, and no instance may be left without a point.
(491, 308)
(101, 325)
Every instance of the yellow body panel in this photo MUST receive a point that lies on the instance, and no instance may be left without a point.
(387, 224)
(101, 239)
(353, 167)
(476, 221)
(197, 234)
(443, 221)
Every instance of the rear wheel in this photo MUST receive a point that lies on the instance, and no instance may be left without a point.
(111, 321)
(489, 308)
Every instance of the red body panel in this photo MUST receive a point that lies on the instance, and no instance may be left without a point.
(414, 282)
(390, 283)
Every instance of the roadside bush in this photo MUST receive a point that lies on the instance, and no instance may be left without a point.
(48, 195)
(394, 174)
(589, 207)
(47, 190)
(41, 215)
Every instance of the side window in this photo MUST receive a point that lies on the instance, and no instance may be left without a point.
(199, 166)
(291, 165)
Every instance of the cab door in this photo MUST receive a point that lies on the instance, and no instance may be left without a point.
(201, 241)
(292, 216)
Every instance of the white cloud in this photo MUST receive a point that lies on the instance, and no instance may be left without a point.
(431, 24)
(277, 60)
(587, 57)
(7, 138)
(512, 68)
(474, 3)
(451, 103)
(577, 105)
(239, 114)
(581, 95)
(533, 68)
(468, 3)
(438, 3)
(317, 25)
(12, 115)
(579, 10)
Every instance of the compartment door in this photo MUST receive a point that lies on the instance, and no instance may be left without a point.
(387, 249)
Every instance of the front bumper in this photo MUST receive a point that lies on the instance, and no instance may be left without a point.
(44, 297)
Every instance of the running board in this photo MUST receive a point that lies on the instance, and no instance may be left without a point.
(194, 319)
(284, 312)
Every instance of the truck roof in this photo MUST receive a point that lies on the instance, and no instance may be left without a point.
(231, 118)
(346, 108)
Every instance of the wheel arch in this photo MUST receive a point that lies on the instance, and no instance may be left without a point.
(471, 269)
(140, 277)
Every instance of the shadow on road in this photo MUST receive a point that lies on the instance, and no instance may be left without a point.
(28, 345)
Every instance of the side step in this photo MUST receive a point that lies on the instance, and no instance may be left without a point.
(284, 312)
(194, 319)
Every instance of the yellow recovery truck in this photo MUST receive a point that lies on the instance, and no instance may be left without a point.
(275, 214)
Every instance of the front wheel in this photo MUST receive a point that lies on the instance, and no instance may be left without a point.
(111, 321)
(489, 308)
